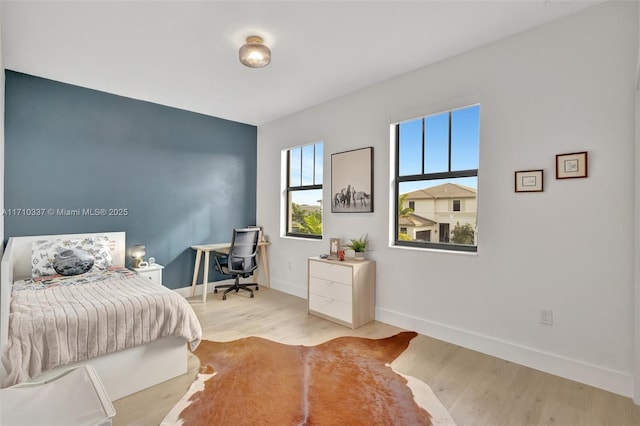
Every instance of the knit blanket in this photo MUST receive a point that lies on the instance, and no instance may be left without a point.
(54, 325)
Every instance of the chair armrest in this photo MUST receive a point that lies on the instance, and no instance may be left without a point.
(220, 258)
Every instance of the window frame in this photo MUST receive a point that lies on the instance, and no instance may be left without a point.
(289, 189)
(428, 177)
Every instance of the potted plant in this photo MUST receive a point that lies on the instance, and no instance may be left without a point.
(359, 246)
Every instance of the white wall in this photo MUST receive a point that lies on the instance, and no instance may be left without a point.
(636, 356)
(636, 214)
(564, 87)
(1, 139)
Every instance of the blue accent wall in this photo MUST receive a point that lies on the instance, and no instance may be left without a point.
(184, 178)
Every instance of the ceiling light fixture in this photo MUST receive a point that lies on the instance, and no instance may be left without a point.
(254, 53)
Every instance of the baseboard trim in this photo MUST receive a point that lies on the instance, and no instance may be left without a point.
(289, 288)
(611, 380)
(275, 284)
(186, 291)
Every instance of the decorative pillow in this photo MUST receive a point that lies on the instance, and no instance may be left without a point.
(100, 252)
(73, 262)
(43, 253)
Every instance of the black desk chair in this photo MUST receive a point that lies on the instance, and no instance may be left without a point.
(240, 261)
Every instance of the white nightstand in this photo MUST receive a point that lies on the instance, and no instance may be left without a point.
(152, 272)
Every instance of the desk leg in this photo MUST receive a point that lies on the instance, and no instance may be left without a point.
(206, 276)
(196, 268)
(264, 264)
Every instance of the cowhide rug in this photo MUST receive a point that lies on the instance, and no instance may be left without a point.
(345, 381)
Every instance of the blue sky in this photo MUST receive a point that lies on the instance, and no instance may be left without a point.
(310, 175)
(465, 131)
(308, 169)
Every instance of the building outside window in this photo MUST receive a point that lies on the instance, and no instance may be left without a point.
(436, 180)
(304, 191)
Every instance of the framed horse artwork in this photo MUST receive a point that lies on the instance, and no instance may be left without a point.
(352, 181)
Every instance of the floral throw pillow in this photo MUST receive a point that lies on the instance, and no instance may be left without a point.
(44, 252)
(100, 252)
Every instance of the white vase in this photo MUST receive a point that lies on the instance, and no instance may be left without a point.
(349, 253)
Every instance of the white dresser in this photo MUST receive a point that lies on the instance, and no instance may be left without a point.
(152, 272)
(343, 292)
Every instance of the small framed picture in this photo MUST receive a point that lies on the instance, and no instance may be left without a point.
(573, 165)
(334, 246)
(529, 181)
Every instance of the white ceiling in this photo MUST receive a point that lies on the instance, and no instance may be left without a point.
(185, 54)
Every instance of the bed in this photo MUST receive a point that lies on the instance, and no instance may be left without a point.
(135, 364)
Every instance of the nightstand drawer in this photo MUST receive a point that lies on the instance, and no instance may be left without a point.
(152, 272)
(154, 276)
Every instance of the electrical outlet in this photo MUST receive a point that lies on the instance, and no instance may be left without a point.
(546, 316)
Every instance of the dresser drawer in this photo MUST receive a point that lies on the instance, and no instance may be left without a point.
(331, 289)
(331, 307)
(331, 272)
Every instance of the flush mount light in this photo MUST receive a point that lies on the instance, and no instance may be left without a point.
(254, 53)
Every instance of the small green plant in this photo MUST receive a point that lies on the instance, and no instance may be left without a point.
(359, 245)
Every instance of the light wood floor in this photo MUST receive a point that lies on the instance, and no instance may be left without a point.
(477, 389)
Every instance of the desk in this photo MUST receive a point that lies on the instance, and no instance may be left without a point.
(263, 263)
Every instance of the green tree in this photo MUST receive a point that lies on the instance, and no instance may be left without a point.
(463, 234)
(403, 212)
(312, 223)
(297, 213)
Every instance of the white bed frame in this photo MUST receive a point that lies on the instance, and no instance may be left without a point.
(122, 373)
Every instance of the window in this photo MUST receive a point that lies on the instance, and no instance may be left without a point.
(304, 191)
(436, 174)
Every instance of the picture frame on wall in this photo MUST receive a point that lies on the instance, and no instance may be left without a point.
(352, 181)
(529, 181)
(572, 165)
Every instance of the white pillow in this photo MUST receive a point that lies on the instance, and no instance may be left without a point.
(43, 253)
